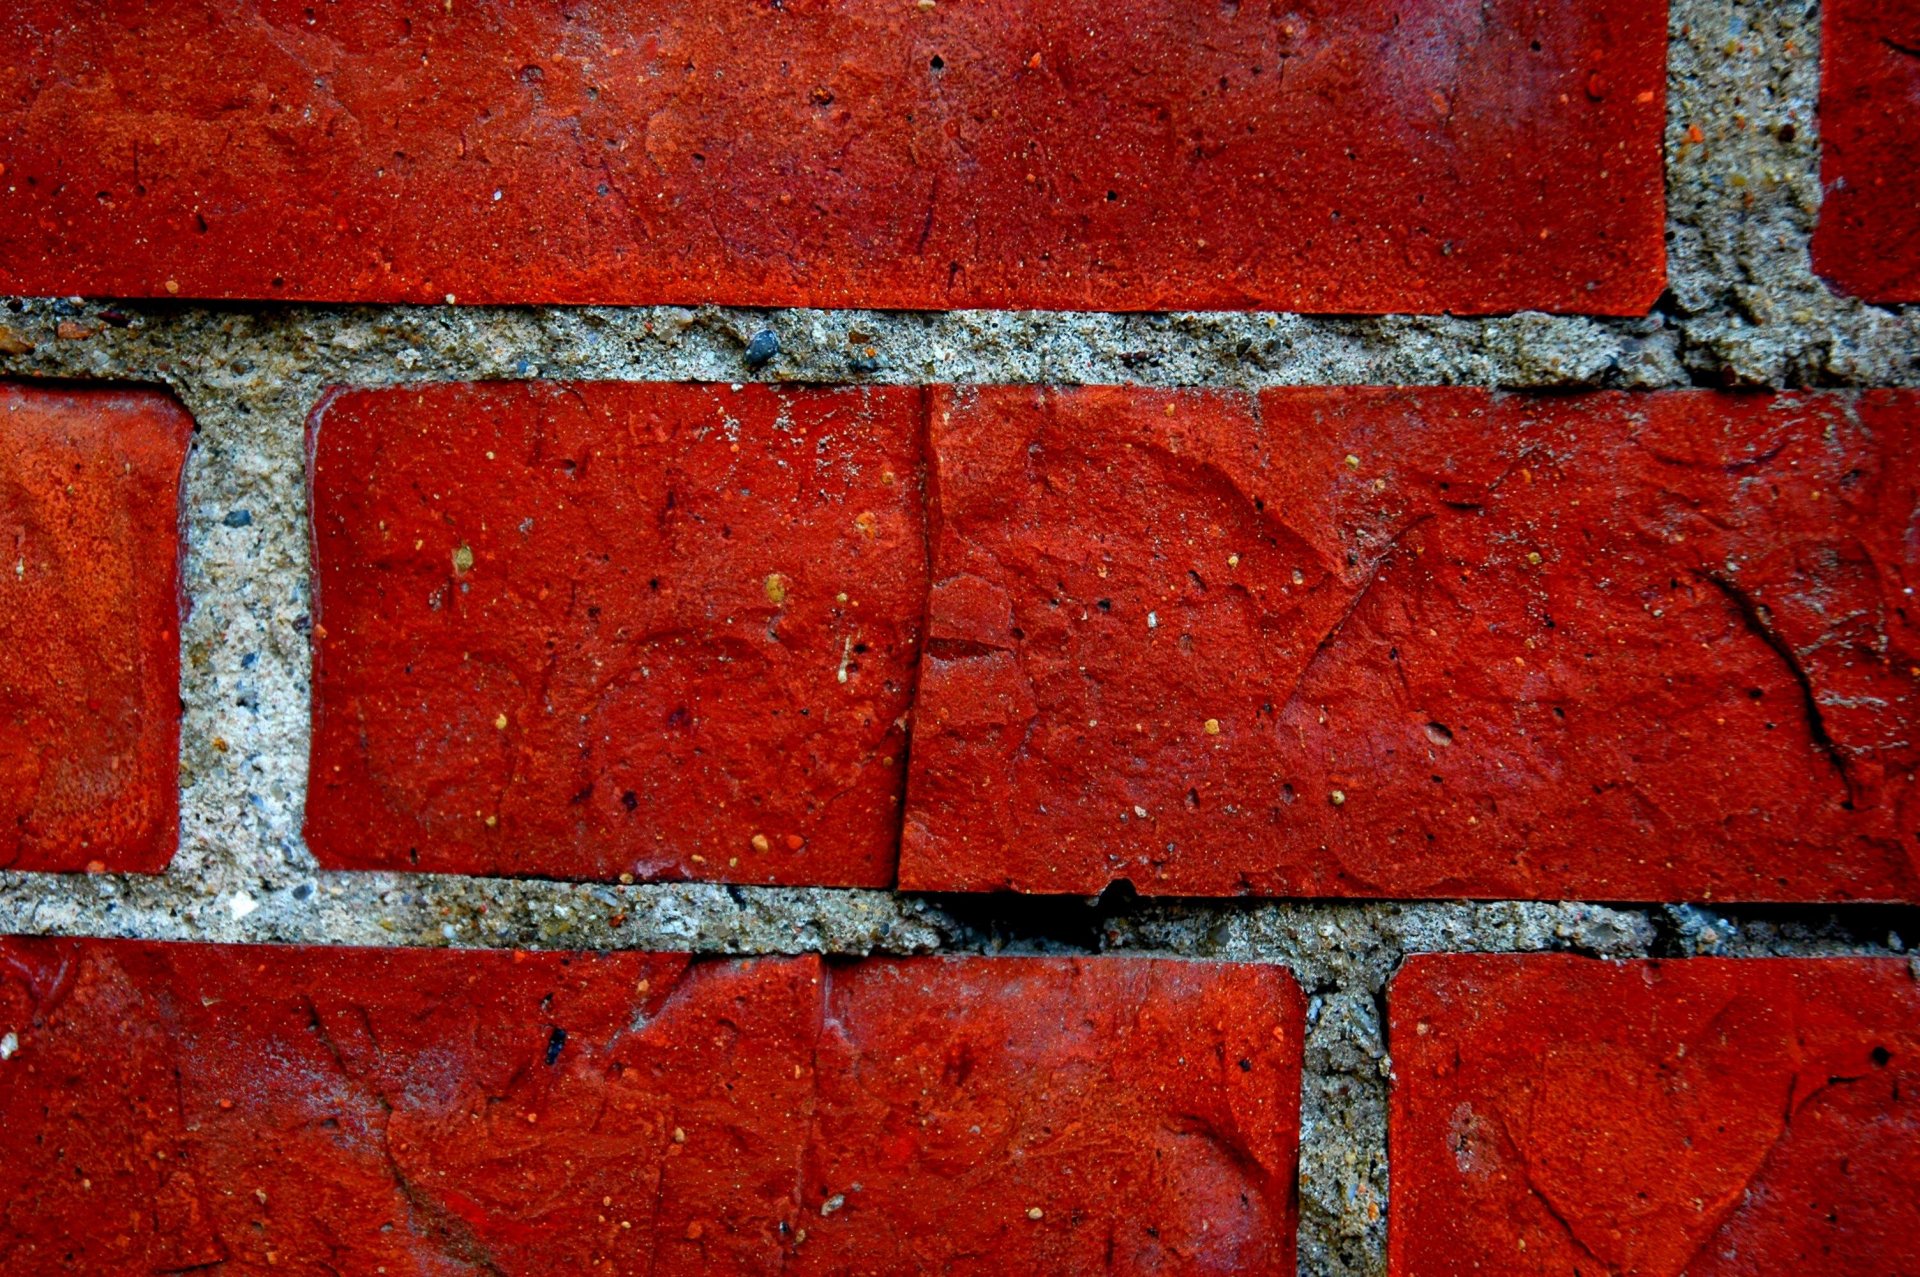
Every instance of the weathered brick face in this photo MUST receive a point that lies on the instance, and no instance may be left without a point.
(89, 627)
(1419, 642)
(1553, 1113)
(1082, 1116)
(1355, 157)
(593, 630)
(176, 1106)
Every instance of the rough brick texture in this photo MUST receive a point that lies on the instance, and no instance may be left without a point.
(1420, 643)
(169, 1107)
(592, 630)
(1554, 1114)
(1365, 156)
(90, 609)
(1867, 241)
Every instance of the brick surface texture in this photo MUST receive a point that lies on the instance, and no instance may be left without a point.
(171, 1107)
(1868, 238)
(90, 610)
(1131, 580)
(1419, 643)
(1367, 156)
(588, 630)
(1554, 1114)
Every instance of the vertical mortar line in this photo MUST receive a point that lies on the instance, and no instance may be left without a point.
(1342, 1131)
(245, 661)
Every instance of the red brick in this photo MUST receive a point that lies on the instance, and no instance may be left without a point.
(1147, 1110)
(1867, 241)
(90, 610)
(170, 1106)
(1721, 1118)
(1380, 155)
(587, 630)
(1453, 643)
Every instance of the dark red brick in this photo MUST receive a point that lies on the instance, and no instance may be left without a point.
(587, 630)
(1721, 1118)
(174, 1106)
(1421, 643)
(1379, 155)
(90, 610)
(1867, 241)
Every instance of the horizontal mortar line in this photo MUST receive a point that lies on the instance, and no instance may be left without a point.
(708, 344)
(170, 881)
(1014, 347)
(384, 880)
(276, 321)
(701, 902)
(1300, 966)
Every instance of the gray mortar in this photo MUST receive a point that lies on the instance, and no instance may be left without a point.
(1743, 308)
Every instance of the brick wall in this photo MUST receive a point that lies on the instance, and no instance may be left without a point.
(897, 637)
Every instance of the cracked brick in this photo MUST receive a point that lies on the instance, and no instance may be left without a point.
(1420, 642)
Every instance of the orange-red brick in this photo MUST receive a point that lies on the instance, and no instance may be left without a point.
(589, 630)
(1420, 642)
(166, 1107)
(1375, 155)
(1721, 1118)
(90, 609)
